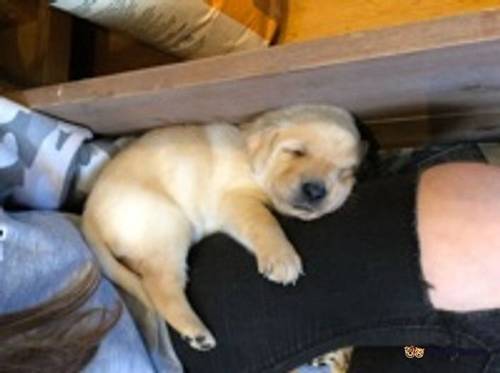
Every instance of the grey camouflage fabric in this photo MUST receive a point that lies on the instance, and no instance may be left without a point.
(44, 161)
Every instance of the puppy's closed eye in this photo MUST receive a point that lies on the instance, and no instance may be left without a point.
(295, 149)
(296, 152)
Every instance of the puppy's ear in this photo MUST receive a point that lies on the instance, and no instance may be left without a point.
(260, 144)
(370, 164)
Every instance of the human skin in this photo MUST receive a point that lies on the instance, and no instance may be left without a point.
(458, 209)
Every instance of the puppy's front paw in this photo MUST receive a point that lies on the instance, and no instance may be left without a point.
(201, 342)
(283, 266)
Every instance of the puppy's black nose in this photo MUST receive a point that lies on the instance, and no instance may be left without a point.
(313, 191)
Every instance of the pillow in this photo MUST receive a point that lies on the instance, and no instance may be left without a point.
(187, 28)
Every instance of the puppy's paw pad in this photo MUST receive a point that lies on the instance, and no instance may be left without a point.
(201, 342)
(283, 267)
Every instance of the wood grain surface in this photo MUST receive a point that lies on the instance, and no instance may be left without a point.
(414, 78)
(36, 43)
(313, 19)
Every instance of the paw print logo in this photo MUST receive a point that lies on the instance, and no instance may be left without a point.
(414, 352)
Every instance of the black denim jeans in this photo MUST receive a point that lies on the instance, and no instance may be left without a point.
(362, 287)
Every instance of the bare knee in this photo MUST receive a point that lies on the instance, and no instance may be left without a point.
(458, 226)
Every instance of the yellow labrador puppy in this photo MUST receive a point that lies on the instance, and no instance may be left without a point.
(176, 185)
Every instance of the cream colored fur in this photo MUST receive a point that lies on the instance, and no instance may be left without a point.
(176, 185)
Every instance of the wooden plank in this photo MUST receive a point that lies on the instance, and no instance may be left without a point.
(38, 50)
(440, 128)
(414, 71)
(15, 12)
(116, 52)
(54, 45)
(5, 86)
(313, 19)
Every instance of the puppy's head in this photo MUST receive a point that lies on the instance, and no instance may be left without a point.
(305, 157)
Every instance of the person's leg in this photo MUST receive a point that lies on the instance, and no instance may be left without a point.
(362, 286)
(459, 232)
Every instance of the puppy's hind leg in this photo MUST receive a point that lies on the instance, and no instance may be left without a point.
(164, 279)
(166, 289)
